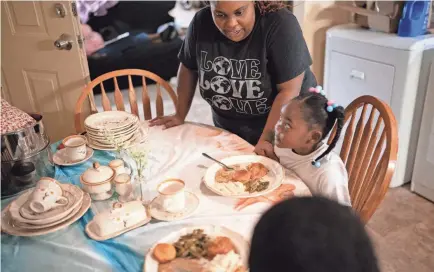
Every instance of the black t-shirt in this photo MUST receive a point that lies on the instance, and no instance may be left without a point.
(238, 79)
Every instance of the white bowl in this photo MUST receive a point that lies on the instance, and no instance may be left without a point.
(97, 181)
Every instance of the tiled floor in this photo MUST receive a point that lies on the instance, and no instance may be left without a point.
(402, 229)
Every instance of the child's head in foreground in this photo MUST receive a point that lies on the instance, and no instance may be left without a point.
(307, 120)
(311, 234)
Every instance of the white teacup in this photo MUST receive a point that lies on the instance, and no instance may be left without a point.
(47, 195)
(172, 194)
(75, 147)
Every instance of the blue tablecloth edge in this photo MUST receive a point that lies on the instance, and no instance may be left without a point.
(123, 258)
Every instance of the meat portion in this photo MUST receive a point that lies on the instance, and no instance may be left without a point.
(181, 264)
(246, 174)
(241, 269)
(223, 175)
(220, 245)
(257, 170)
(242, 176)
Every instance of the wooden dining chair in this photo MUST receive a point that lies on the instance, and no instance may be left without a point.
(118, 96)
(369, 151)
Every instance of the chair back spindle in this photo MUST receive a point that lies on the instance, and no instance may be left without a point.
(118, 96)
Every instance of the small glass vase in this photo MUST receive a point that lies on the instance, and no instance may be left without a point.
(142, 189)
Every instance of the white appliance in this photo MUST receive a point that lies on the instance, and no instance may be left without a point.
(423, 173)
(364, 62)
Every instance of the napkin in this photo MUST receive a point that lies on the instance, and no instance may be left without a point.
(14, 119)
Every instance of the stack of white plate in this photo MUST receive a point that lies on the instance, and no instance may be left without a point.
(108, 129)
(18, 219)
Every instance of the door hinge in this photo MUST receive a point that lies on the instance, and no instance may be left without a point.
(80, 41)
(74, 9)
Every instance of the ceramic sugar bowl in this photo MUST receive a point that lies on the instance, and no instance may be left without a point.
(97, 181)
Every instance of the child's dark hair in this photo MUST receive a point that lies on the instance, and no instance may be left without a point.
(317, 111)
(311, 234)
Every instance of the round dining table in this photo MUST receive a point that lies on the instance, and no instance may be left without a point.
(174, 153)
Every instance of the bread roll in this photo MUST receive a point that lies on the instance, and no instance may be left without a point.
(164, 253)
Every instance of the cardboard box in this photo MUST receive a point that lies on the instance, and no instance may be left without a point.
(376, 15)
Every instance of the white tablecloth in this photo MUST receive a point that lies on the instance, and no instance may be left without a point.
(178, 154)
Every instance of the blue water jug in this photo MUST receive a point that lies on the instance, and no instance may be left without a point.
(414, 18)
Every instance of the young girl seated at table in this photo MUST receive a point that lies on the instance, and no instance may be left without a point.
(299, 143)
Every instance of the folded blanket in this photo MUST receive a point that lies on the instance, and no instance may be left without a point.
(97, 8)
(14, 119)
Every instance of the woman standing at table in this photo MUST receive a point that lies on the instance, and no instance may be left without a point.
(250, 58)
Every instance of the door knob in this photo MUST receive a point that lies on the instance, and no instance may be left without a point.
(64, 42)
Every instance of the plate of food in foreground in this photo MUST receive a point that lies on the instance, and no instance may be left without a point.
(251, 176)
(199, 249)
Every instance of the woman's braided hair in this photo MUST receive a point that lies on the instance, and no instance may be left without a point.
(265, 7)
(270, 6)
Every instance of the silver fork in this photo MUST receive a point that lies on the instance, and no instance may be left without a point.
(217, 161)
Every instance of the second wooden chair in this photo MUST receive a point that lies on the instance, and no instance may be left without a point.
(118, 97)
(369, 151)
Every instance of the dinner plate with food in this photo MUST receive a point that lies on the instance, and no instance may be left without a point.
(248, 176)
(206, 248)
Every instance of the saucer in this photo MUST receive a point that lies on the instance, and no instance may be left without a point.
(28, 226)
(191, 205)
(74, 195)
(20, 212)
(7, 223)
(60, 157)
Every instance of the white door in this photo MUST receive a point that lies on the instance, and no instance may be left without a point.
(36, 75)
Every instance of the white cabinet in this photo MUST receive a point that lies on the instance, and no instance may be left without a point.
(352, 77)
(364, 62)
(423, 174)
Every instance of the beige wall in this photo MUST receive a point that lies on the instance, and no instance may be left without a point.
(315, 17)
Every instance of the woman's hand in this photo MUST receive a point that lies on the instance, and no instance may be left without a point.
(167, 121)
(187, 80)
(287, 91)
(265, 148)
